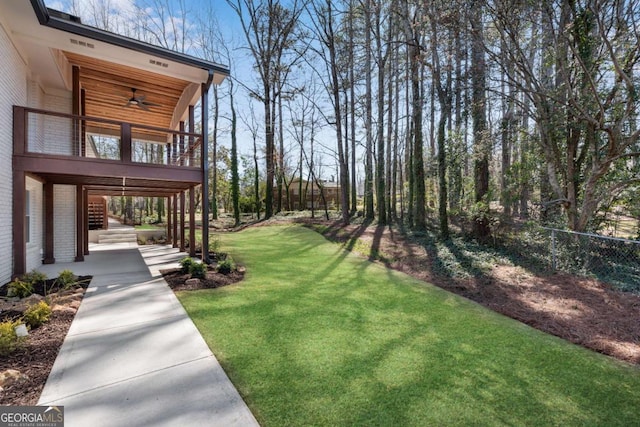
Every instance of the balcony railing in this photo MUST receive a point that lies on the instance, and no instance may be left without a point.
(59, 134)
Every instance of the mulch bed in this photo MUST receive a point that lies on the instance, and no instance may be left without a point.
(582, 310)
(177, 280)
(35, 356)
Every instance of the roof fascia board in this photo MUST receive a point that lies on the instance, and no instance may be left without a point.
(114, 39)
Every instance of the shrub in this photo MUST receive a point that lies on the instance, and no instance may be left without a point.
(8, 339)
(186, 263)
(226, 266)
(198, 270)
(214, 244)
(19, 289)
(142, 240)
(34, 277)
(66, 279)
(37, 314)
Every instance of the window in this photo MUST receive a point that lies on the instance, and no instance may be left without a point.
(27, 220)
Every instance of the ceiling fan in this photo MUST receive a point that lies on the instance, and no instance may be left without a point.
(140, 101)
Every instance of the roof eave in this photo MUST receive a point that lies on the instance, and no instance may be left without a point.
(80, 29)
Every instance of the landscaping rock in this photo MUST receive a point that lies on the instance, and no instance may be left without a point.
(11, 376)
(192, 282)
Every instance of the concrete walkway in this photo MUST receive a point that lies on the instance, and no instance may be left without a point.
(132, 355)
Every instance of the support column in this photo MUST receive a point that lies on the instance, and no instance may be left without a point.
(48, 224)
(192, 222)
(204, 154)
(175, 221)
(79, 223)
(169, 222)
(86, 221)
(182, 206)
(19, 217)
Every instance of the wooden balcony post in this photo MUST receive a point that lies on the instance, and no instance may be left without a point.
(192, 129)
(75, 109)
(19, 130)
(83, 125)
(19, 218)
(125, 142)
(181, 149)
(49, 257)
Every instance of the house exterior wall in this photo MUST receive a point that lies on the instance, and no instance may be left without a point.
(35, 227)
(58, 129)
(13, 91)
(64, 222)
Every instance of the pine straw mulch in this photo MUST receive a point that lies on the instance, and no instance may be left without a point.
(35, 356)
(582, 310)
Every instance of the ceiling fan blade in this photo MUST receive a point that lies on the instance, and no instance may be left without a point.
(143, 106)
(151, 104)
(141, 98)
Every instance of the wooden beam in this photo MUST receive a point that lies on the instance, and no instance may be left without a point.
(169, 221)
(85, 208)
(19, 131)
(175, 221)
(49, 256)
(125, 143)
(18, 230)
(204, 106)
(75, 108)
(192, 222)
(182, 217)
(79, 223)
(76, 166)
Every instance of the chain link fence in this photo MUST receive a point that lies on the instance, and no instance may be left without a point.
(613, 260)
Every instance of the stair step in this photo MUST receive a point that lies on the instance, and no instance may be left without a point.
(117, 238)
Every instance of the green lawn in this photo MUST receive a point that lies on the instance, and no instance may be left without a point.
(319, 336)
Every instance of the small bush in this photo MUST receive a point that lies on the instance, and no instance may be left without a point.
(142, 240)
(34, 277)
(186, 263)
(66, 279)
(8, 339)
(37, 314)
(19, 289)
(226, 266)
(214, 244)
(198, 270)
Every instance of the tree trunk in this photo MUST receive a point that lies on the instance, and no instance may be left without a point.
(478, 114)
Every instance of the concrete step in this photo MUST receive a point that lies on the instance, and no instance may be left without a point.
(118, 238)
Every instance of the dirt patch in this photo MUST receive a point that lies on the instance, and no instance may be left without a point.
(178, 280)
(582, 310)
(36, 355)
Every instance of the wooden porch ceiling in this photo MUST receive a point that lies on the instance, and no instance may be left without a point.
(108, 88)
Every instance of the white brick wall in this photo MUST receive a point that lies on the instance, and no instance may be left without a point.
(36, 238)
(58, 130)
(64, 223)
(13, 91)
(35, 99)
